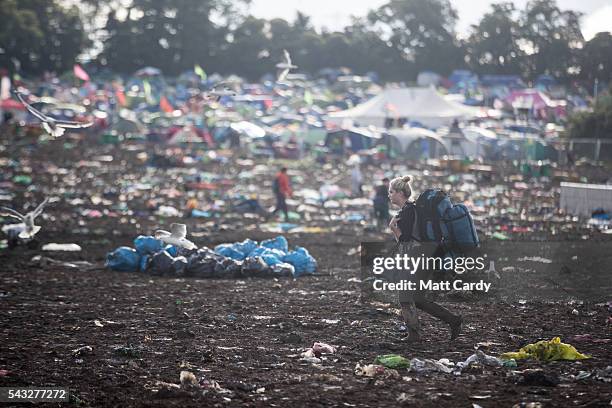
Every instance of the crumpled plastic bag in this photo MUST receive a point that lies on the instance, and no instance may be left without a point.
(373, 370)
(123, 259)
(302, 261)
(160, 264)
(283, 269)
(246, 247)
(230, 251)
(179, 266)
(482, 358)
(201, 264)
(370, 370)
(147, 245)
(392, 361)
(271, 256)
(323, 348)
(547, 350)
(279, 243)
(427, 365)
(255, 266)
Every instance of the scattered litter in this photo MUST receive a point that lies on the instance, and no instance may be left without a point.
(481, 358)
(82, 350)
(61, 247)
(188, 379)
(534, 259)
(392, 361)
(426, 365)
(547, 350)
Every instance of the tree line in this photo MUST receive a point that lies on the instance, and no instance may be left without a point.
(397, 40)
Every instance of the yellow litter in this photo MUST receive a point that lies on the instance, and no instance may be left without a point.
(546, 350)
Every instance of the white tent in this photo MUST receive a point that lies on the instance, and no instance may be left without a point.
(423, 105)
(417, 143)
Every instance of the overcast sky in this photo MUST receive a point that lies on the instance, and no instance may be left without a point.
(335, 14)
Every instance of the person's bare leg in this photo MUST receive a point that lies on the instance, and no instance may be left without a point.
(443, 314)
(409, 314)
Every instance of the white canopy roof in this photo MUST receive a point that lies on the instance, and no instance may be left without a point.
(424, 105)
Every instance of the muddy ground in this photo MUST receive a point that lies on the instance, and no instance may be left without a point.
(122, 339)
(245, 334)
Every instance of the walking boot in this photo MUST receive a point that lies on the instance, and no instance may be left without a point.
(411, 319)
(456, 327)
(442, 313)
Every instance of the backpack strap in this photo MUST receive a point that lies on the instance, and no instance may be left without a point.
(435, 215)
(421, 208)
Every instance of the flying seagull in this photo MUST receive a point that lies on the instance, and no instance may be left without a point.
(218, 91)
(28, 220)
(176, 236)
(54, 127)
(284, 67)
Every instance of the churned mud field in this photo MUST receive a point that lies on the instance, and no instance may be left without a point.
(122, 339)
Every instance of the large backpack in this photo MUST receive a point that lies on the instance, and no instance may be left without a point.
(439, 220)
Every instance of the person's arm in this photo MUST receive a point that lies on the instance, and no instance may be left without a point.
(405, 224)
(395, 228)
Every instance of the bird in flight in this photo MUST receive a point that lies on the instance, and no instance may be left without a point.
(28, 220)
(219, 90)
(54, 127)
(284, 67)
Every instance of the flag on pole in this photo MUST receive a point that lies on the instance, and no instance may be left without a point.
(199, 72)
(165, 106)
(80, 73)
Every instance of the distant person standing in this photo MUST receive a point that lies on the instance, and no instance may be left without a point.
(356, 181)
(282, 190)
(381, 204)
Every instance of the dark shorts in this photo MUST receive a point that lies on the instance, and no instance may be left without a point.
(413, 249)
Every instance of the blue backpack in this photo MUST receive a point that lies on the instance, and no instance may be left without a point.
(439, 220)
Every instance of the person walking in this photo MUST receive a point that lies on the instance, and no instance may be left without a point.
(381, 204)
(282, 190)
(403, 227)
(356, 181)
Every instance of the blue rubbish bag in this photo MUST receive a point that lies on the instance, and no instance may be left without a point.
(160, 264)
(230, 251)
(279, 243)
(146, 244)
(123, 259)
(144, 262)
(171, 249)
(302, 261)
(246, 246)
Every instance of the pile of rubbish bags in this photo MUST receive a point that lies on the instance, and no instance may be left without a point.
(270, 258)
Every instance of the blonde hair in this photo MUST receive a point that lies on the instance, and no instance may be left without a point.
(402, 184)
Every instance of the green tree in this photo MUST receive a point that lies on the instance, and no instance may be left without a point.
(596, 124)
(552, 39)
(41, 35)
(422, 31)
(596, 59)
(493, 45)
(168, 34)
